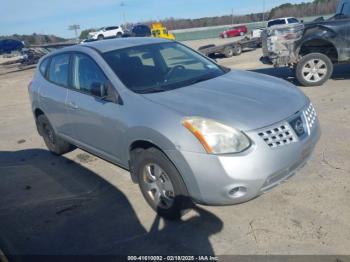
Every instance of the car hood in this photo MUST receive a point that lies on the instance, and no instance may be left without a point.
(244, 100)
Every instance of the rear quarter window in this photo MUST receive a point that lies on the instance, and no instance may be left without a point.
(43, 67)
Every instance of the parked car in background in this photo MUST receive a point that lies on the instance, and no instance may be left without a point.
(282, 21)
(139, 30)
(310, 49)
(188, 130)
(235, 31)
(10, 45)
(160, 31)
(107, 32)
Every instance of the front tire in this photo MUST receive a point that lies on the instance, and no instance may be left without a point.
(55, 144)
(161, 184)
(100, 37)
(314, 69)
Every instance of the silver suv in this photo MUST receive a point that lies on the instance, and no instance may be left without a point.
(189, 130)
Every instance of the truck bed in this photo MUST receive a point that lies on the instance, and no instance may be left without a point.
(232, 48)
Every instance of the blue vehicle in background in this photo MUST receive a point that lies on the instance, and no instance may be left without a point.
(10, 45)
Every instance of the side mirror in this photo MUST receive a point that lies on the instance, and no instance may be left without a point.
(106, 92)
(99, 89)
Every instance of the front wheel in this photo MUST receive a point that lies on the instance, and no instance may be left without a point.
(314, 69)
(161, 184)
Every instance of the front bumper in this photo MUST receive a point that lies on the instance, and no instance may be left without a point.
(233, 179)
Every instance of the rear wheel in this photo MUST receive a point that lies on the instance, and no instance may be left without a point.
(314, 69)
(228, 51)
(237, 50)
(161, 184)
(55, 144)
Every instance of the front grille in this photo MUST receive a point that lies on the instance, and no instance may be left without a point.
(310, 115)
(278, 135)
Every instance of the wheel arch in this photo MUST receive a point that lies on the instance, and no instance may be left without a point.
(319, 45)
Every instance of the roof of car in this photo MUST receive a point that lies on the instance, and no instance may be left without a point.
(119, 43)
(281, 18)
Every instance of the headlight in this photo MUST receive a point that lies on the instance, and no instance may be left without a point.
(215, 137)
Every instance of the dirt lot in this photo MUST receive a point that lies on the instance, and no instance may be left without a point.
(78, 204)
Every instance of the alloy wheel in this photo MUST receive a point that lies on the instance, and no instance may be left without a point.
(314, 70)
(158, 186)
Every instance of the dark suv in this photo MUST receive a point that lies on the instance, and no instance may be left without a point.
(139, 30)
(310, 49)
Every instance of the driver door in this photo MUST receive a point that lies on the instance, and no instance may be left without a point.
(95, 123)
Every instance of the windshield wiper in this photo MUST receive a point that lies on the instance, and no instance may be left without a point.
(152, 90)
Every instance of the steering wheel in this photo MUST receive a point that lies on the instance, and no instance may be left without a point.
(172, 70)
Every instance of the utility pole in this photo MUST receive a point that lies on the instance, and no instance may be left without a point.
(122, 5)
(263, 10)
(232, 16)
(75, 28)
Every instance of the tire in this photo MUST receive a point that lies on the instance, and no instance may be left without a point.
(307, 75)
(155, 172)
(100, 37)
(225, 36)
(228, 51)
(119, 35)
(55, 144)
(237, 50)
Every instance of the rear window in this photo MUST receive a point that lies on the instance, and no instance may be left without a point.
(58, 72)
(276, 22)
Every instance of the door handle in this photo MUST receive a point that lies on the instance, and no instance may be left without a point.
(73, 105)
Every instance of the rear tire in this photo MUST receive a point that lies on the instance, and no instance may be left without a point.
(314, 69)
(161, 184)
(237, 50)
(55, 144)
(228, 51)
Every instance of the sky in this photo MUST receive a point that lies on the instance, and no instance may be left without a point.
(54, 16)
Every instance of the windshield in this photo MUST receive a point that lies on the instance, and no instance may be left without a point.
(160, 67)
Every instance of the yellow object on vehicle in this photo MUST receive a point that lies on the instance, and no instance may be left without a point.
(160, 31)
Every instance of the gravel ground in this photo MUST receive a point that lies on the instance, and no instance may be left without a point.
(79, 204)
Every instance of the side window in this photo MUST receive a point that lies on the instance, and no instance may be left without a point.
(292, 21)
(43, 67)
(86, 73)
(346, 9)
(59, 67)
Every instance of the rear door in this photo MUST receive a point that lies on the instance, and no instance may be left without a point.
(53, 92)
(95, 123)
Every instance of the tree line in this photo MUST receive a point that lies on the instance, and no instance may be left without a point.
(315, 8)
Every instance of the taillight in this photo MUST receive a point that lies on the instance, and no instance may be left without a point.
(30, 85)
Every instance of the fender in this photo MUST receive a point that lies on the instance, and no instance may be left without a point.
(319, 33)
